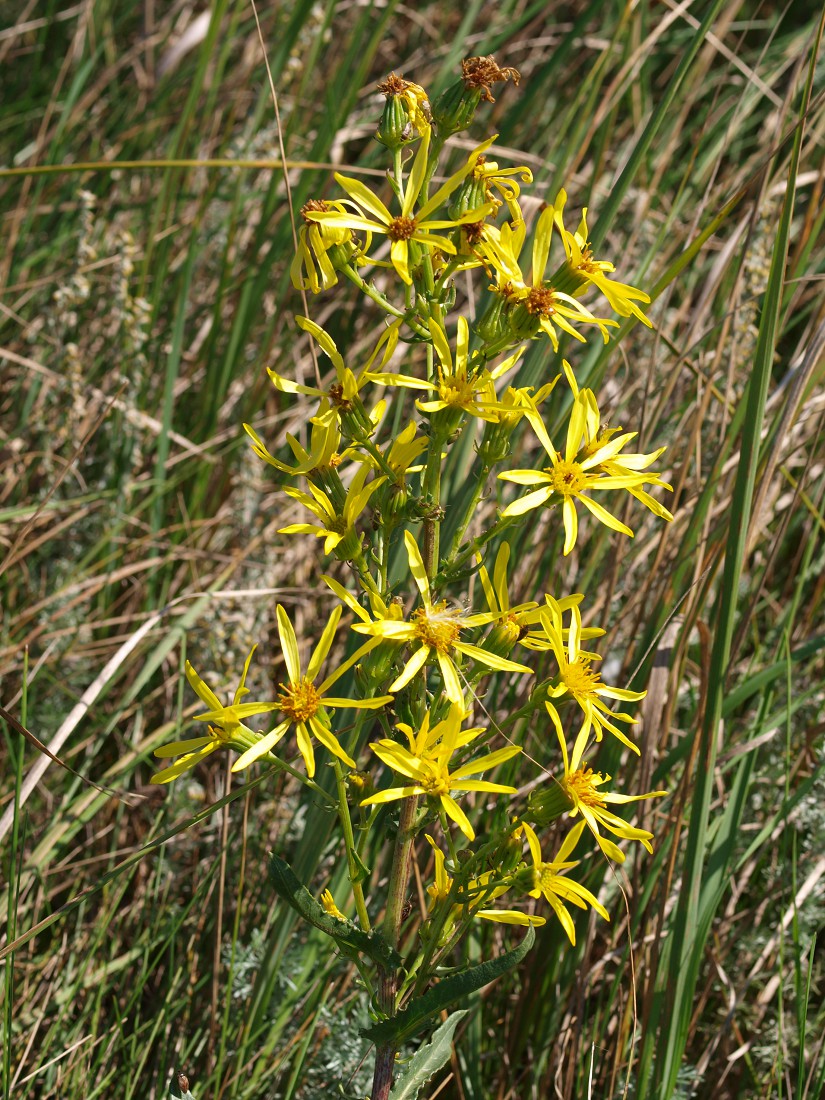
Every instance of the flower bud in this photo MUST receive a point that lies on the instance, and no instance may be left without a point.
(469, 196)
(360, 786)
(507, 855)
(493, 325)
(547, 805)
(350, 546)
(502, 638)
(395, 128)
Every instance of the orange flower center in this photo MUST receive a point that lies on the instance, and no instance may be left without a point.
(567, 478)
(540, 301)
(581, 786)
(579, 679)
(299, 701)
(439, 629)
(401, 229)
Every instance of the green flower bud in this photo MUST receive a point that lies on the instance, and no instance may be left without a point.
(349, 547)
(395, 128)
(523, 324)
(454, 109)
(502, 638)
(493, 326)
(469, 196)
(547, 805)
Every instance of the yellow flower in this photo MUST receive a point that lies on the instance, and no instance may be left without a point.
(325, 439)
(427, 763)
(342, 396)
(335, 527)
(621, 296)
(591, 462)
(550, 882)
(515, 621)
(581, 786)
(546, 305)
(403, 451)
(477, 892)
(410, 225)
(226, 728)
(302, 701)
(311, 267)
(576, 679)
(460, 386)
(435, 629)
(328, 902)
(502, 180)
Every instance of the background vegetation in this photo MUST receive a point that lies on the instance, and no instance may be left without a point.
(140, 306)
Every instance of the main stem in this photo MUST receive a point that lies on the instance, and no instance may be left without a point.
(388, 982)
(400, 873)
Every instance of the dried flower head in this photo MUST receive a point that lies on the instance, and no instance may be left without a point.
(481, 72)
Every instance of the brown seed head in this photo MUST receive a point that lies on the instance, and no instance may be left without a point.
(481, 72)
(393, 85)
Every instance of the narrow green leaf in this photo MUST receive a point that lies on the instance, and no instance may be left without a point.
(694, 912)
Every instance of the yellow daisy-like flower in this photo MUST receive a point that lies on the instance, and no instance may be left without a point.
(311, 267)
(342, 396)
(226, 726)
(410, 225)
(477, 892)
(582, 786)
(427, 763)
(550, 882)
(459, 385)
(577, 680)
(548, 306)
(621, 296)
(303, 702)
(435, 629)
(515, 621)
(335, 525)
(325, 440)
(591, 462)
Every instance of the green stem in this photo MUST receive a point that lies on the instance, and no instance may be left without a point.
(381, 301)
(432, 498)
(375, 453)
(388, 983)
(469, 511)
(349, 843)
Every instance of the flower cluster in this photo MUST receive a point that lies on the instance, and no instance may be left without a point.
(420, 650)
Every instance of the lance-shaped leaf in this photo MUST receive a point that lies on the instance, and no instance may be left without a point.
(428, 1059)
(349, 937)
(397, 1029)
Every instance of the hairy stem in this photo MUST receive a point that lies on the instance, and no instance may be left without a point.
(388, 984)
